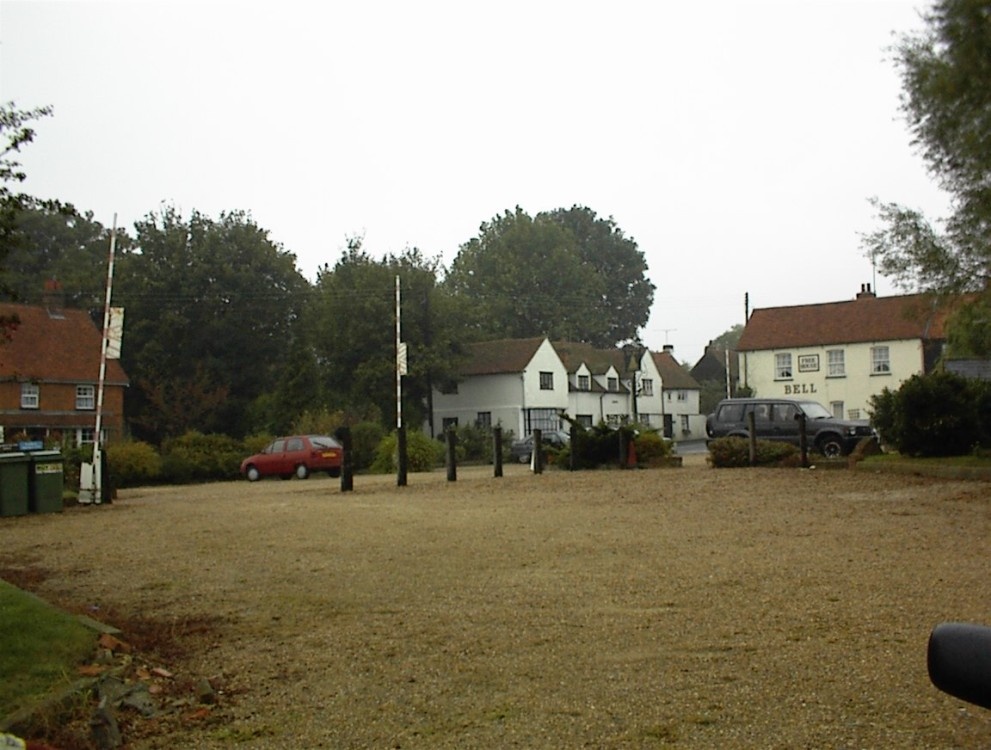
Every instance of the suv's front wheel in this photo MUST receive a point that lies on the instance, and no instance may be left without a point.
(831, 446)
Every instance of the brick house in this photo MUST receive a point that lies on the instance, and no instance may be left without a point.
(841, 353)
(49, 375)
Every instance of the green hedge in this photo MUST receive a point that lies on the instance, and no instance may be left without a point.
(734, 452)
(941, 414)
(422, 453)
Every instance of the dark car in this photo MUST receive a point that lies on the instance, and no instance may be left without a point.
(298, 455)
(778, 419)
(521, 450)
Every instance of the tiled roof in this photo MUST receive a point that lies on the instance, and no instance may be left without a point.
(712, 365)
(500, 357)
(866, 319)
(598, 361)
(673, 375)
(45, 347)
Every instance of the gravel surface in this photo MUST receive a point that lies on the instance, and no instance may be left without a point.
(684, 607)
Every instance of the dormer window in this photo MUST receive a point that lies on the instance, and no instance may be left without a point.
(613, 384)
(584, 383)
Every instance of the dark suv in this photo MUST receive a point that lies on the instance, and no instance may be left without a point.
(777, 419)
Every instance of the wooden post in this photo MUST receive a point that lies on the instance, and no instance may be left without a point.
(752, 427)
(803, 439)
(572, 444)
(401, 458)
(452, 459)
(497, 452)
(537, 458)
(347, 461)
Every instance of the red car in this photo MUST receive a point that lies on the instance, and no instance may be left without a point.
(297, 454)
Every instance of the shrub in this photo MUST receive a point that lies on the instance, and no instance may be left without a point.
(195, 457)
(733, 452)
(651, 448)
(133, 463)
(933, 415)
(474, 443)
(598, 446)
(365, 438)
(422, 453)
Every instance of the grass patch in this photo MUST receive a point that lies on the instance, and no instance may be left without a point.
(895, 458)
(974, 466)
(41, 648)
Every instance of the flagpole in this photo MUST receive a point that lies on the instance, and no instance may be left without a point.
(97, 448)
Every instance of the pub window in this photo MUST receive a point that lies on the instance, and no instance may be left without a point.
(30, 395)
(585, 420)
(837, 363)
(647, 387)
(85, 397)
(880, 362)
(584, 383)
(484, 420)
(782, 366)
(547, 381)
(613, 384)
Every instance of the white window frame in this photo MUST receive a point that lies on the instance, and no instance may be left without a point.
(647, 386)
(584, 383)
(837, 363)
(86, 397)
(30, 396)
(880, 360)
(782, 366)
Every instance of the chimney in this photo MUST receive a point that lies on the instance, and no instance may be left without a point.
(669, 348)
(53, 298)
(865, 292)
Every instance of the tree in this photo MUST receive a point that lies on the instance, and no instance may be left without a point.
(564, 274)
(627, 294)
(15, 132)
(211, 309)
(946, 81)
(60, 243)
(729, 338)
(351, 325)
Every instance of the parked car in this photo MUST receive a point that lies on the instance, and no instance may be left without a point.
(298, 455)
(521, 450)
(778, 419)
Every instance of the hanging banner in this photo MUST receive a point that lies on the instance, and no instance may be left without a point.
(115, 332)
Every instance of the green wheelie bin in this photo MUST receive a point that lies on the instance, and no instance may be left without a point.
(45, 481)
(13, 483)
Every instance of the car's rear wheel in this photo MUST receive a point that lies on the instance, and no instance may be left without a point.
(302, 472)
(253, 474)
(831, 446)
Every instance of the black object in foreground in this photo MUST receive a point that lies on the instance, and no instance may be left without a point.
(959, 659)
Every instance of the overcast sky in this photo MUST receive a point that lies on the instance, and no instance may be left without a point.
(737, 142)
